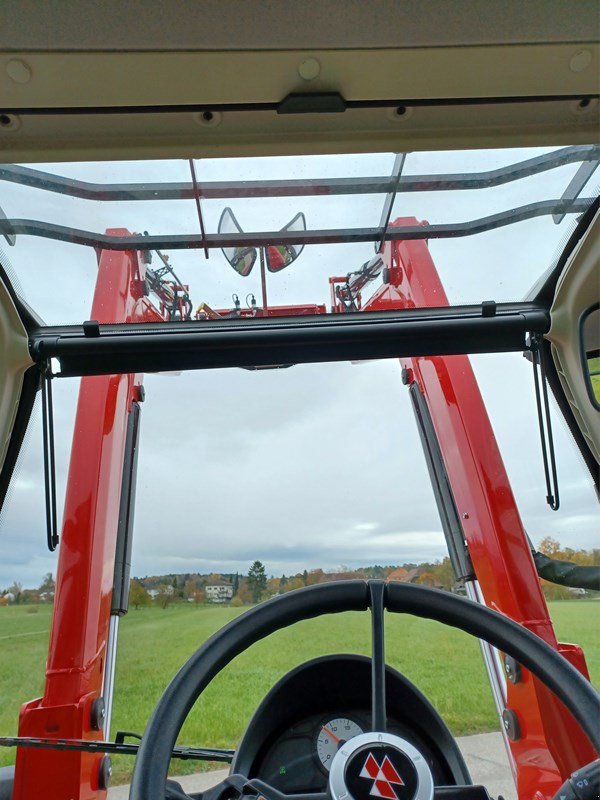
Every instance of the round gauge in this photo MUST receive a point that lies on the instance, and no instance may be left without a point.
(333, 734)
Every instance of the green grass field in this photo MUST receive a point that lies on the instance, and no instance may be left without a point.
(445, 664)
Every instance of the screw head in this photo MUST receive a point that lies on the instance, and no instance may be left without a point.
(18, 70)
(309, 69)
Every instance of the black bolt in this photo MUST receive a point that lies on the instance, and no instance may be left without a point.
(97, 714)
(511, 724)
(512, 668)
(104, 772)
(207, 116)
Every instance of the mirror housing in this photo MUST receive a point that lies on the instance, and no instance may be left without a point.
(280, 256)
(242, 259)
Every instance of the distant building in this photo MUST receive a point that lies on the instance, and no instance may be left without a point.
(219, 591)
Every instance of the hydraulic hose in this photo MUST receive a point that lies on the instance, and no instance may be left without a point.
(565, 573)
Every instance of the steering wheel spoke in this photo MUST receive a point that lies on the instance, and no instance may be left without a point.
(379, 715)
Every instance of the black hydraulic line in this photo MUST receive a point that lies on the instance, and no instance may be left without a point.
(49, 457)
(215, 190)
(442, 489)
(566, 573)
(258, 342)
(120, 592)
(62, 233)
(545, 423)
(378, 705)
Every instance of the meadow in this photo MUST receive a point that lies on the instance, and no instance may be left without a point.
(153, 643)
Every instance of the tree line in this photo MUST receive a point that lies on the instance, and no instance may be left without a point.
(163, 590)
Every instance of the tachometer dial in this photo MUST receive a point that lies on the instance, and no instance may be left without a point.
(332, 735)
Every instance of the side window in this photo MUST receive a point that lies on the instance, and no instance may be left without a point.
(590, 350)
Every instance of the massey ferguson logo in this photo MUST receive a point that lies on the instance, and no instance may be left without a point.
(383, 776)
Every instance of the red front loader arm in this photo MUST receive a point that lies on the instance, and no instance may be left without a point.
(77, 650)
(550, 745)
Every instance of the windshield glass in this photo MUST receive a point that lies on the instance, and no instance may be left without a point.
(290, 235)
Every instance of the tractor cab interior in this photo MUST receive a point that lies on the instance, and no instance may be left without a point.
(202, 198)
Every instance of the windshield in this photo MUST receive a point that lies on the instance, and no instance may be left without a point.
(296, 235)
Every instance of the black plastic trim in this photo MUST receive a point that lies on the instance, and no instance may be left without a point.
(292, 340)
(274, 106)
(302, 693)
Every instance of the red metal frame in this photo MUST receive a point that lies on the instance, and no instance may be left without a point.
(76, 654)
(551, 745)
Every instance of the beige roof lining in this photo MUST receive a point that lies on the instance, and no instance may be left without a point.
(63, 25)
(207, 79)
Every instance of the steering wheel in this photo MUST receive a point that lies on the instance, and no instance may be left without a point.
(372, 762)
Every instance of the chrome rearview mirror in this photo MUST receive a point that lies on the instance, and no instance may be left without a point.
(280, 256)
(241, 258)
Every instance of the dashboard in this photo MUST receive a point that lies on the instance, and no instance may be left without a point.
(299, 726)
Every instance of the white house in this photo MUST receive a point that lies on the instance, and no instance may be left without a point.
(219, 592)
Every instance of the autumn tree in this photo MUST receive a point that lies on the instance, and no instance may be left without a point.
(190, 588)
(549, 547)
(47, 588)
(444, 573)
(244, 593)
(427, 578)
(16, 589)
(257, 581)
(296, 582)
(138, 596)
(199, 596)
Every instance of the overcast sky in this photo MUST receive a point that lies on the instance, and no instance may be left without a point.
(313, 466)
